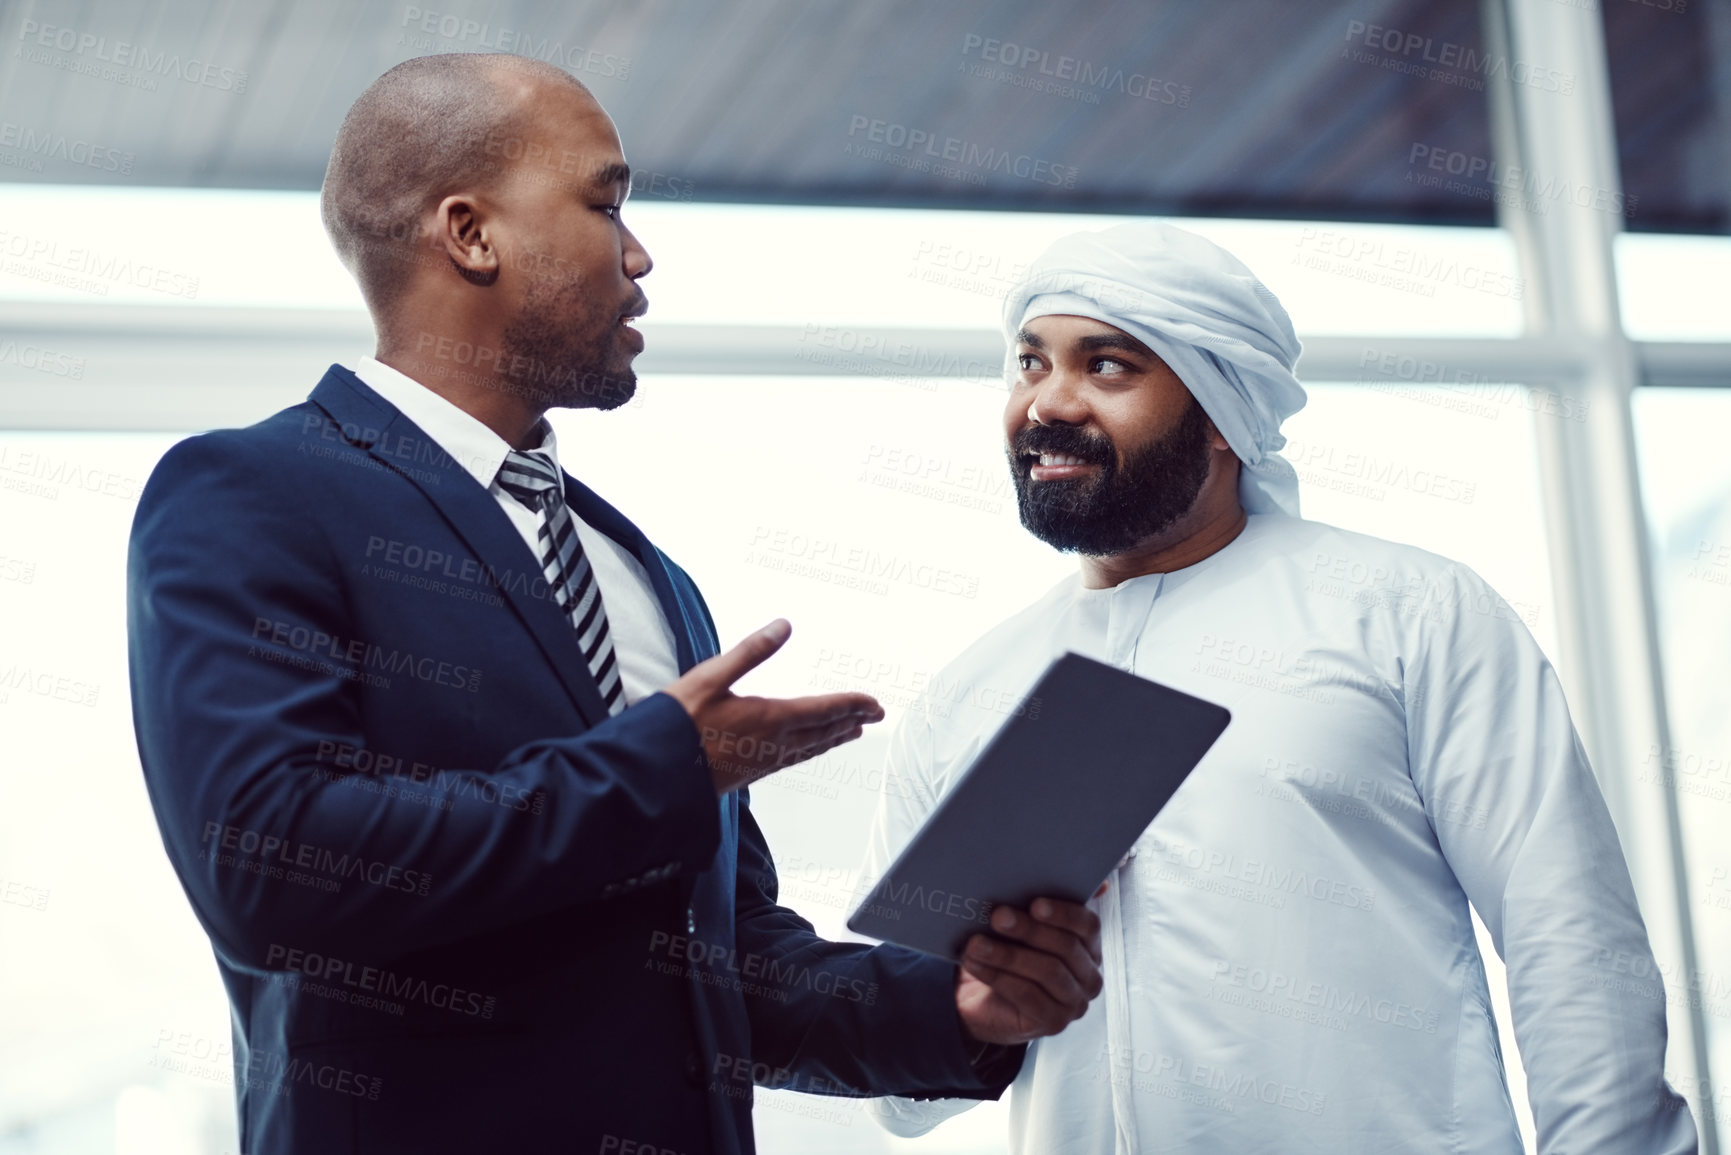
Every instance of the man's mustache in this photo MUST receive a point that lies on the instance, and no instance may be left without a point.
(1065, 439)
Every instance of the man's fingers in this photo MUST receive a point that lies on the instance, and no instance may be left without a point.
(820, 710)
(723, 670)
(1033, 1007)
(798, 743)
(1072, 917)
(817, 725)
(766, 758)
(1052, 974)
(1081, 955)
(814, 743)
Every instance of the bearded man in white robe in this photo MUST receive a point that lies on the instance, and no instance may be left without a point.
(1290, 961)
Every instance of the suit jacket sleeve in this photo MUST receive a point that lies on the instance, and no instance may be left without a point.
(230, 729)
(857, 1020)
(845, 1018)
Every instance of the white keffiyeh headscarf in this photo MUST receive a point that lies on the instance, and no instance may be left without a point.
(1206, 315)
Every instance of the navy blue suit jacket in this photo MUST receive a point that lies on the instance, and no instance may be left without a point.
(455, 905)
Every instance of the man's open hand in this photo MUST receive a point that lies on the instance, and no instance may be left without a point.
(747, 738)
(1039, 981)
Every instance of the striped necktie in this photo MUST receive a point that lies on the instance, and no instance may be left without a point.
(534, 480)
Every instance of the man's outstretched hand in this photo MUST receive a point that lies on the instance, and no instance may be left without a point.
(1039, 981)
(748, 738)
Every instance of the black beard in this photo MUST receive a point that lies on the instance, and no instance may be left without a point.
(561, 363)
(1122, 506)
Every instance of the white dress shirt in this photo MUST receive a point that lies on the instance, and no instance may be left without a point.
(1290, 961)
(643, 640)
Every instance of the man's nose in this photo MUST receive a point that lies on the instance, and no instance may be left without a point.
(637, 260)
(1058, 402)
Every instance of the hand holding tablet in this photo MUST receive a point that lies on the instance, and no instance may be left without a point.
(1055, 800)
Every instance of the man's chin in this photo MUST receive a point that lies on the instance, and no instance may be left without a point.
(1070, 498)
(608, 387)
(1068, 538)
(606, 390)
(625, 389)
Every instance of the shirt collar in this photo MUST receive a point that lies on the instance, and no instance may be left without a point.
(1171, 580)
(470, 443)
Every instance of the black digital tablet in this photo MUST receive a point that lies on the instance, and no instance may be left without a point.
(1054, 801)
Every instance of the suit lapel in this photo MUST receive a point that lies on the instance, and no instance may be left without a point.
(368, 422)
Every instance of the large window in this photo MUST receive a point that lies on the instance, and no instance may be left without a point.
(1686, 474)
(117, 1036)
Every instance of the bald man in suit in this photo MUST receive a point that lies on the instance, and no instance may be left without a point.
(443, 749)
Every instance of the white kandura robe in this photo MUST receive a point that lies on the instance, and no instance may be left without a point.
(1290, 963)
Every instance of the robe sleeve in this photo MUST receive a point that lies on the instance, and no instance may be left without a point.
(1522, 823)
(911, 789)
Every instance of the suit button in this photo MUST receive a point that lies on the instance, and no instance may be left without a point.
(691, 921)
(693, 1071)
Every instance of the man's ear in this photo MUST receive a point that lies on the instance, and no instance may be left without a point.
(463, 232)
(1215, 440)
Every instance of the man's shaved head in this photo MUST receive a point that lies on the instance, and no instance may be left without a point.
(417, 134)
(477, 198)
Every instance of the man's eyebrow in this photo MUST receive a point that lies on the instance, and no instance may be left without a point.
(1028, 338)
(611, 174)
(1120, 341)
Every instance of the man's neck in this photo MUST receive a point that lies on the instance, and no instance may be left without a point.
(493, 400)
(1198, 536)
